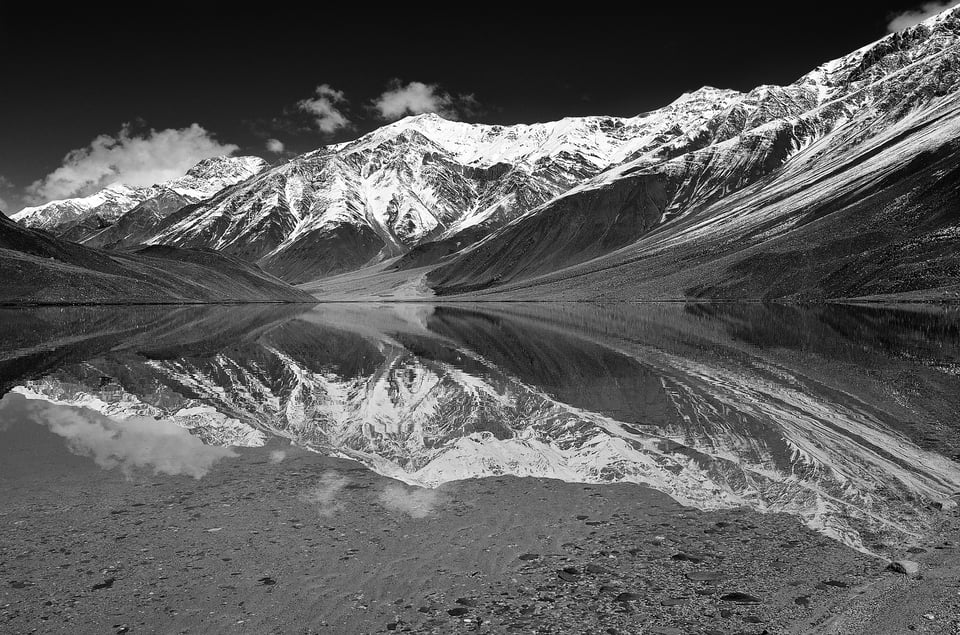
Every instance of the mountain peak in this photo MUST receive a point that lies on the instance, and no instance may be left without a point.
(120, 188)
(705, 93)
(218, 166)
(427, 116)
(429, 120)
(943, 16)
(426, 119)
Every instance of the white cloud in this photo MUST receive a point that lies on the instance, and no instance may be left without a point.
(915, 16)
(275, 145)
(325, 108)
(277, 456)
(138, 160)
(417, 98)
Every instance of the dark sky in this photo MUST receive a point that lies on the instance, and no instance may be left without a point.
(66, 77)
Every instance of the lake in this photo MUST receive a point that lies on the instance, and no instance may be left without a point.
(844, 417)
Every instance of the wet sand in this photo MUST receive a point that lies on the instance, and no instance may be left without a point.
(281, 540)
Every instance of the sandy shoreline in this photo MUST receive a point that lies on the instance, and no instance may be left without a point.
(280, 540)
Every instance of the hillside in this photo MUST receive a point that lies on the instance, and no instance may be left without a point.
(38, 268)
(855, 196)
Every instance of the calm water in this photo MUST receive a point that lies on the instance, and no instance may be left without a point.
(843, 416)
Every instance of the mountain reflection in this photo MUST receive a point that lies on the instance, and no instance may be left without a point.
(835, 414)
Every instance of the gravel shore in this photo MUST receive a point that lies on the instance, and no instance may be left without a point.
(280, 540)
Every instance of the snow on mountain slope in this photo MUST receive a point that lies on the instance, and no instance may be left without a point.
(111, 202)
(837, 116)
(497, 207)
(419, 180)
(201, 181)
(209, 176)
(93, 231)
(515, 202)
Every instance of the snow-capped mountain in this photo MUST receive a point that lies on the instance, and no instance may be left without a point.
(209, 176)
(206, 178)
(110, 202)
(498, 205)
(419, 180)
(429, 397)
(794, 174)
(836, 185)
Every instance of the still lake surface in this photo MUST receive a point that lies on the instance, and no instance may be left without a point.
(845, 416)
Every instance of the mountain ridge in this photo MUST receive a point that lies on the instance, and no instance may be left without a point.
(204, 179)
(858, 99)
(449, 208)
(414, 181)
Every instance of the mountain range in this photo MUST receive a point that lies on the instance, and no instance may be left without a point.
(38, 267)
(842, 184)
(77, 218)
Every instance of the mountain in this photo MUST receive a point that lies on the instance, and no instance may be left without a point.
(839, 185)
(38, 268)
(123, 231)
(704, 402)
(842, 184)
(77, 218)
(209, 176)
(110, 203)
(422, 181)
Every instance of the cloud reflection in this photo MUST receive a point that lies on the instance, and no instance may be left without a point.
(137, 442)
(417, 502)
(324, 493)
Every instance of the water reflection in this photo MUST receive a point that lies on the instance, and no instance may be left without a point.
(325, 495)
(128, 445)
(416, 502)
(840, 415)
